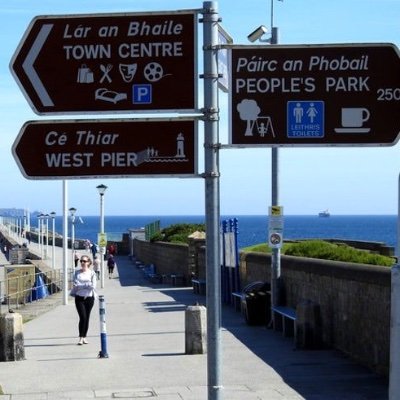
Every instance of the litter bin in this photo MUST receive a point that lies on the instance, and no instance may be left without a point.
(256, 303)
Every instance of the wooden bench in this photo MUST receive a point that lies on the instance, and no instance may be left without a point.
(237, 297)
(285, 320)
(165, 278)
(199, 286)
(237, 300)
(177, 280)
(150, 273)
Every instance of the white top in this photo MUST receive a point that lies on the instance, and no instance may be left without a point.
(85, 281)
(96, 264)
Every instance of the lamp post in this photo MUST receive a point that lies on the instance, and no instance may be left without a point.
(38, 230)
(46, 252)
(102, 189)
(72, 212)
(25, 225)
(40, 217)
(53, 249)
(19, 227)
(276, 252)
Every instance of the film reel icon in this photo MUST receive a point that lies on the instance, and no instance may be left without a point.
(153, 72)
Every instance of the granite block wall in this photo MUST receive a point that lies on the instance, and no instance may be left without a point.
(168, 258)
(354, 299)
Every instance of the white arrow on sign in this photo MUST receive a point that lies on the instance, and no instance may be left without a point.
(30, 71)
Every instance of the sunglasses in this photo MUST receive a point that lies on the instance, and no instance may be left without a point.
(84, 261)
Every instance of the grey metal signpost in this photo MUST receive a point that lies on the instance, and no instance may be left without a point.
(210, 43)
(276, 251)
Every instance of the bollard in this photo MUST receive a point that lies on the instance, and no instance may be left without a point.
(11, 337)
(103, 332)
(195, 330)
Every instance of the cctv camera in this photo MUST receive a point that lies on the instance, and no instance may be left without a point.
(257, 34)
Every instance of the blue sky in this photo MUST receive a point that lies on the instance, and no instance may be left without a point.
(345, 180)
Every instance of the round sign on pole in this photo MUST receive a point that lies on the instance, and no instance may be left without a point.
(275, 240)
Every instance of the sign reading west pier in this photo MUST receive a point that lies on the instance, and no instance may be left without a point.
(109, 63)
(317, 95)
(106, 148)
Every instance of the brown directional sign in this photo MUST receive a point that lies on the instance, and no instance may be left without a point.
(317, 95)
(107, 148)
(109, 63)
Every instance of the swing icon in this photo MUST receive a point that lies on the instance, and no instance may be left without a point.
(263, 126)
(255, 124)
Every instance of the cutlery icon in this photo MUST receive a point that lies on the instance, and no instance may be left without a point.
(106, 69)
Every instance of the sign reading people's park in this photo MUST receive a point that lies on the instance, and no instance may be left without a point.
(317, 95)
(109, 63)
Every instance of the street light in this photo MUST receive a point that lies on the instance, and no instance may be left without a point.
(53, 249)
(102, 189)
(276, 252)
(39, 217)
(72, 212)
(25, 225)
(46, 217)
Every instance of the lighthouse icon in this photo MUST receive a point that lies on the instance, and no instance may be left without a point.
(180, 146)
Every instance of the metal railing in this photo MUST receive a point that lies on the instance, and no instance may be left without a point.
(17, 291)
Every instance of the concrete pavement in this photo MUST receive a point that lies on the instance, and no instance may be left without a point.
(146, 346)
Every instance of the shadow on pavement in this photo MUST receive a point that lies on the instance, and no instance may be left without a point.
(314, 374)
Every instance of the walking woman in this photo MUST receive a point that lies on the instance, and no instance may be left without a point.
(84, 289)
(111, 264)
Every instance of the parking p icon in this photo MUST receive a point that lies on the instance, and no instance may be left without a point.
(141, 94)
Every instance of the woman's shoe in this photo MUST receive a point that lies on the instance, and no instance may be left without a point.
(85, 341)
(81, 341)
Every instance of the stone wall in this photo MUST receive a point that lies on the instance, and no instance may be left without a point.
(168, 258)
(354, 299)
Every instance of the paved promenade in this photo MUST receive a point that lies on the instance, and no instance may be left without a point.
(146, 347)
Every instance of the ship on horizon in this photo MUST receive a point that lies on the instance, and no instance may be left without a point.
(324, 214)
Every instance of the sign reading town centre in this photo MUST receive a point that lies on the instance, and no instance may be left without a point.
(107, 148)
(317, 95)
(109, 63)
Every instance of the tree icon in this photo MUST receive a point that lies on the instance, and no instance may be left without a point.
(249, 111)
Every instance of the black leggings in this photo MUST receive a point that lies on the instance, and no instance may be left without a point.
(84, 307)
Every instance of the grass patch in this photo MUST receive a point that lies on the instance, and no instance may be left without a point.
(326, 251)
(177, 233)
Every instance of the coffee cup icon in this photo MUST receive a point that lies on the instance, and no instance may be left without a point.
(354, 117)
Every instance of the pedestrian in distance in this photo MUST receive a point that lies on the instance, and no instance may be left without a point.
(84, 291)
(110, 264)
(76, 259)
(93, 248)
(96, 266)
(112, 250)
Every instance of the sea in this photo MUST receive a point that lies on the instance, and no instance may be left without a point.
(252, 229)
